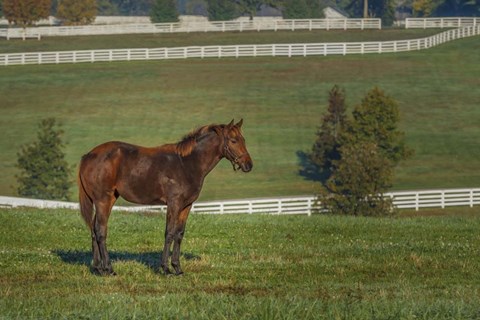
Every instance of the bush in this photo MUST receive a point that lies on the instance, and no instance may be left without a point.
(44, 172)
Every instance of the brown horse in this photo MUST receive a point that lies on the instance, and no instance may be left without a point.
(171, 174)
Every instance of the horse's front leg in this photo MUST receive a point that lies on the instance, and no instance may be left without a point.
(169, 236)
(180, 224)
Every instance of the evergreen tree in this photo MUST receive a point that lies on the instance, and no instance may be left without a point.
(77, 12)
(358, 157)
(361, 176)
(331, 133)
(376, 120)
(45, 174)
(164, 11)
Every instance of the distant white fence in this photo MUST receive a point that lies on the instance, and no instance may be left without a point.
(291, 205)
(455, 22)
(19, 34)
(207, 26)
(236, 51)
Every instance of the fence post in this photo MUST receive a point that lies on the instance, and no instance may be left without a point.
(417, 200)
(250, 207)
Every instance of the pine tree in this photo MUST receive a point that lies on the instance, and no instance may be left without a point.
(331, 133)
(376, 120)
(45, 174)
(359, 156)
(356, 187)
(164, 11)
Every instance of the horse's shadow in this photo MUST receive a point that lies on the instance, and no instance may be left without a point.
(149, 259)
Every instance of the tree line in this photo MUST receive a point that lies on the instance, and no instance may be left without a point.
(75, 12)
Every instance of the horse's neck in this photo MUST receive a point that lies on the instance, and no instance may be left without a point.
(206, 154)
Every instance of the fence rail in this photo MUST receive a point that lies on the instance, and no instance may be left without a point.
(236, 51)
(456, 22)
(291, 205)
(214, 26)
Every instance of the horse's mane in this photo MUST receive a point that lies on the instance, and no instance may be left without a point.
(185, 146)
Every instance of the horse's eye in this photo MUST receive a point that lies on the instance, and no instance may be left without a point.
(233, 140)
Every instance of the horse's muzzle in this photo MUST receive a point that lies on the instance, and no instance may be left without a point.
(247, 165)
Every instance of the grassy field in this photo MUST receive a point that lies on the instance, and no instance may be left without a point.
(280, 99)
(203, 39)
(245, 267)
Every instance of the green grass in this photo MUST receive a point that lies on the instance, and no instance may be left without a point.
(245, 267)
(209, 38)
(280, 99)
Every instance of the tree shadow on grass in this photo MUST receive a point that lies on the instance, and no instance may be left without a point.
(150, 259)
(308, 169)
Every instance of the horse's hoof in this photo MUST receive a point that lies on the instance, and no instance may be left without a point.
(103, 272)
(167, 272)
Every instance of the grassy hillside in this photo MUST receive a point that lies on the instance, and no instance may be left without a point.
(244, 267)
(280, 99)
(209, 38)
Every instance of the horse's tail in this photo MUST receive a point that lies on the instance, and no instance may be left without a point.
(86, 203)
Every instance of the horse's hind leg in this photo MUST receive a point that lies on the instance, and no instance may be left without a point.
(101, 259)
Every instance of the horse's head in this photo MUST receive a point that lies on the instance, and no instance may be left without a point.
(234, 148)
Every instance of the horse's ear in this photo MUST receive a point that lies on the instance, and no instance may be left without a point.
(230, 124)
(239, 124)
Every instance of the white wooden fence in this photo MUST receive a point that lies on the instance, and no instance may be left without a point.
(455, 22)
(291, 205)
(236, 51)
(207, 26)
